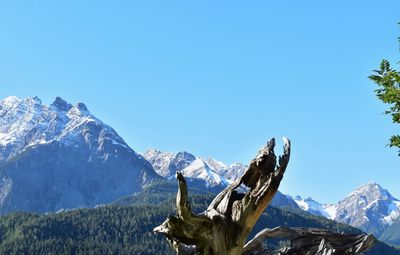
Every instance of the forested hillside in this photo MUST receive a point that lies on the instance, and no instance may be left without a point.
(127, 229)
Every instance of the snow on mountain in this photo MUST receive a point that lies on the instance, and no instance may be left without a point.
(207, 173)
(213, 172)
(200, 170)
(370, 208)
(166, 163)
(61, 156)
(314, 207)
(230, 172)
(27, 122)
(393, 212)
(160, 161)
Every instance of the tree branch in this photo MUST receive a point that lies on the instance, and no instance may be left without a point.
(311, 241)
(224, 227)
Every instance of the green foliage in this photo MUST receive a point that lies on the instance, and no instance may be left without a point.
(159, 192)
(116, 229)
(105, 230)
(388, 80)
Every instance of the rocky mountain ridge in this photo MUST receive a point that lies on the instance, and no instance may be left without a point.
(370, 208)
(61, 156)
(214, 173)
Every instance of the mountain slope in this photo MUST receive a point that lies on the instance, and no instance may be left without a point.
(199, 172)
(391, 234)
(229, 172)
(314, 207)
(370, 208)
(61, 156)
(166, 163)
(209, 174)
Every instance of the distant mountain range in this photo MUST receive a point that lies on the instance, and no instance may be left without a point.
(60, 156)
(214, 174)
(370, 208)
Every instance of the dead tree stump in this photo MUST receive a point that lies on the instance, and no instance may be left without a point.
(224, 227)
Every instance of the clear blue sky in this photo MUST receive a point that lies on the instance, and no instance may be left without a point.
(217, 78)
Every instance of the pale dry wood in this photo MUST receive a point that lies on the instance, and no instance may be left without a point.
(310, 241)
(224, 227)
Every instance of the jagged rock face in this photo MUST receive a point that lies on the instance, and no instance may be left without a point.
(198, 169)
(61, 156)
(198, 173)
(314, 207)
(230, 172)
(181, 161)
(208, 172)
(167, 164)
(160, 161)
(370, 208)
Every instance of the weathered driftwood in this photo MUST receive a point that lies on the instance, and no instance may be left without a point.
(309, 241)
(224, 227)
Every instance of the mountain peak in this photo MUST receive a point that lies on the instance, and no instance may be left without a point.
(79, 109)
(28, 122)
(310, 199)
(25, 103)
(61, 104)
(372, 185)
(32, 101)
(185, 155)
(82, 107)
(10, 100)
(154, 152)
(372, 190)
(212, 171)
(71, 158)
(370, 207)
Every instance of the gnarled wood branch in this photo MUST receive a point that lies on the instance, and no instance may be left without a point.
(224, 227)
(310, 241)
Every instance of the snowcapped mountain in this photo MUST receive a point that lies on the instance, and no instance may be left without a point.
(314, 207)
(166, 163)
(370, 208)
(27, 122)
(210, 172)
(61, 156)
(202, 173)
(230, 172)
(198, 169)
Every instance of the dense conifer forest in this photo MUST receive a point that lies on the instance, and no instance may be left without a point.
(126, 226)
